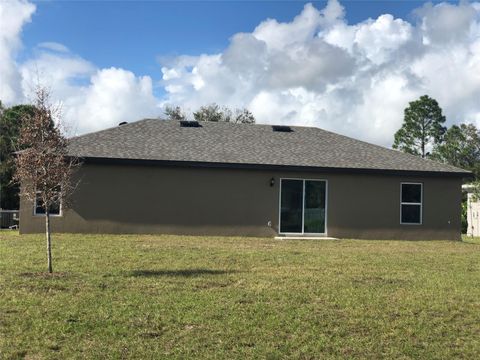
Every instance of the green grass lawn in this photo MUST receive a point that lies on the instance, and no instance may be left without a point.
(152, 297)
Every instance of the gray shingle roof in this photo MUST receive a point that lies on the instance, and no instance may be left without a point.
(226, 143)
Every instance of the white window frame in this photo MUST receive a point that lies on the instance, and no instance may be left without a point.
(303, 208)
(411, 203)
(60, 208)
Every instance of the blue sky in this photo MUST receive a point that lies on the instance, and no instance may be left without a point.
(133, 34)
(346, 66)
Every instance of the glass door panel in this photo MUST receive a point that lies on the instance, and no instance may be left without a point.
(314, 209)
(303, 206)
(291, 205)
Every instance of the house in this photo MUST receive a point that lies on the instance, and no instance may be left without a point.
(156, 176)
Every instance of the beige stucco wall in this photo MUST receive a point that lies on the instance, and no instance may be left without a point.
(153, 199)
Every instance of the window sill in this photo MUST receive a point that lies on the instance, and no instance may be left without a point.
(43, 215)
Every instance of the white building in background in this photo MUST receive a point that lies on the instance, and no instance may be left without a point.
(473, 211)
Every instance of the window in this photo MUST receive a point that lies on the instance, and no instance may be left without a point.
(39, 209)
(411, 198)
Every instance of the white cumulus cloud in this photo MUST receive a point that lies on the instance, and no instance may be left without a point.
(355, 79)
(13, 15)
(91, 98)
(113, 95)
(316, 70)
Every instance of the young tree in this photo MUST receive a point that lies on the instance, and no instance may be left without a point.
(460, 147)
(213, 113)
(422, 127)
(43, 168)
(174, 113)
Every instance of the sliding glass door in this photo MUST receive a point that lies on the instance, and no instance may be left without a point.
(302, 206)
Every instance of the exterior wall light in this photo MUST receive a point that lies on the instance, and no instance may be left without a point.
(272, 182)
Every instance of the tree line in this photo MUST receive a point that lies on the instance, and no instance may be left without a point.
(423, 133)
(212, 112)
(11, 120)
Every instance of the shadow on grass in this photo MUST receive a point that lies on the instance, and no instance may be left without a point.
(179, 273)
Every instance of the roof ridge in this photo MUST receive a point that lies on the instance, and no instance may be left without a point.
(112, 128)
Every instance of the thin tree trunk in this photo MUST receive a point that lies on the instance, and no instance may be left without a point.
(49, 241)
(423, 139)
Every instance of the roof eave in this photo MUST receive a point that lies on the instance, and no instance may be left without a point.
(273, 167)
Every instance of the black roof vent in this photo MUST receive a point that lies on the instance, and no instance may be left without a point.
(186, 123)
(282, 128)
(123, 123)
